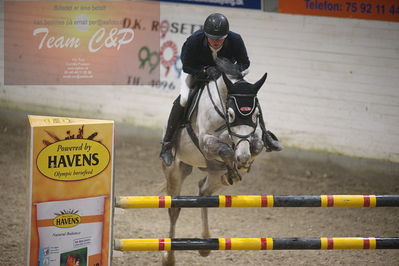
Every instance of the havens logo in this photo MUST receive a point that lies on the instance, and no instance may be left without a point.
(66, 220)
(73, 159)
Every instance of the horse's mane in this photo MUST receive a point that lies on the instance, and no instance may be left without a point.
(227, 67)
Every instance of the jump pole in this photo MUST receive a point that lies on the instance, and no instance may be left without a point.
(256, 201)
(323, 243)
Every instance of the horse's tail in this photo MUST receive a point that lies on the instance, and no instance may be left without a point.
(227, 67)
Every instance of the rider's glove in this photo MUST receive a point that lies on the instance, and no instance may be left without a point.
(213, 73)
(202, 75)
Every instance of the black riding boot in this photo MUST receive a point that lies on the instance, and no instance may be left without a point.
(271, 142)
(269, 139)
(174, 121)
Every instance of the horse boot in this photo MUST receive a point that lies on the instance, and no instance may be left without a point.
(174, 121)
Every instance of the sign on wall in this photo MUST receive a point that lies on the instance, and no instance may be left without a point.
(173, 33)
(387, 10)
(70, 191)
(252, 4)
(78, 42)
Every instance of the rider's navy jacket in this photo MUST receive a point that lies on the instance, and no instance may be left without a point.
(196, 54)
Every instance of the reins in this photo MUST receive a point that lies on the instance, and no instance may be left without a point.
(220, 113)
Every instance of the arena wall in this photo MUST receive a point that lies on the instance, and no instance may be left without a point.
(332, 82)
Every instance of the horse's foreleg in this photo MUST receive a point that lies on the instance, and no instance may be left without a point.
(213, 149)
(175, 175)
(173, 216)
(207, 187)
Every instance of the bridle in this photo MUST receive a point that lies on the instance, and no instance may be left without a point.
(246, 117)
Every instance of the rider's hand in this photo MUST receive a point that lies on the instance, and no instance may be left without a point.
(213, 73)
(202, 75)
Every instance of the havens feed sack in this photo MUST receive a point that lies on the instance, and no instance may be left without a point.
(70, 228)
(70, 191)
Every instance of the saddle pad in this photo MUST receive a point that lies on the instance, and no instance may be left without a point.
(192, 104)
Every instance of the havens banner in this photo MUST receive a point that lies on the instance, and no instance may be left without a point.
(79, 42)
(387, 10)
(70, 191)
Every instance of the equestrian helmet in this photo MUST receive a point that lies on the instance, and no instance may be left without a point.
(216, 26)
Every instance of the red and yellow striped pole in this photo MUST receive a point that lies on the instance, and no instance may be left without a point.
(248, 201)
(348, 242)
(133, 202)
(154, 244)
(263, 243)
(348, 201)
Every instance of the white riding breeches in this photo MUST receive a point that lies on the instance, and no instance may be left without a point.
(185, 82)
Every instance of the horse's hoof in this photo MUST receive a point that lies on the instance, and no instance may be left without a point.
(168, 259)
(204, 253)
(225, 180)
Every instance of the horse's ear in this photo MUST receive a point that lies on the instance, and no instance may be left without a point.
(228, 82)
(259, 83)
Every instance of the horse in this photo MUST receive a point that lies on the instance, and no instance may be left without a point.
(222, 137)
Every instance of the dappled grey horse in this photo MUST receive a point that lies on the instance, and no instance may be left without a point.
(222, 138)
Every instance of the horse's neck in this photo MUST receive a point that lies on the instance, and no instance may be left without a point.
(208, 118)
(219, 93)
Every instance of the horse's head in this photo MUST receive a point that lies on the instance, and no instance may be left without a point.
(242, 110)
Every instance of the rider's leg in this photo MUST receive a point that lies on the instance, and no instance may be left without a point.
(175, 120)
(185, 85)
(269, 139)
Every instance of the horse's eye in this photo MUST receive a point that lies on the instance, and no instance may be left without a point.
(231, 115)
(255, 115)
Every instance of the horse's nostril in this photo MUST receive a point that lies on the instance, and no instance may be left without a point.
(243, 160)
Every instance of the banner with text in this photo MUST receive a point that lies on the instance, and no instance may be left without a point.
(79, 42)
(251, 4)
(387, 10)
(174, 30)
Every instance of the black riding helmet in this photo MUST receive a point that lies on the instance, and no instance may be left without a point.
(216, 26)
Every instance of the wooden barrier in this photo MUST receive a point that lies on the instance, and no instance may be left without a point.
(247, 201)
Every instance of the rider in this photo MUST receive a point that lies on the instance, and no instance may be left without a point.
(197, 56)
